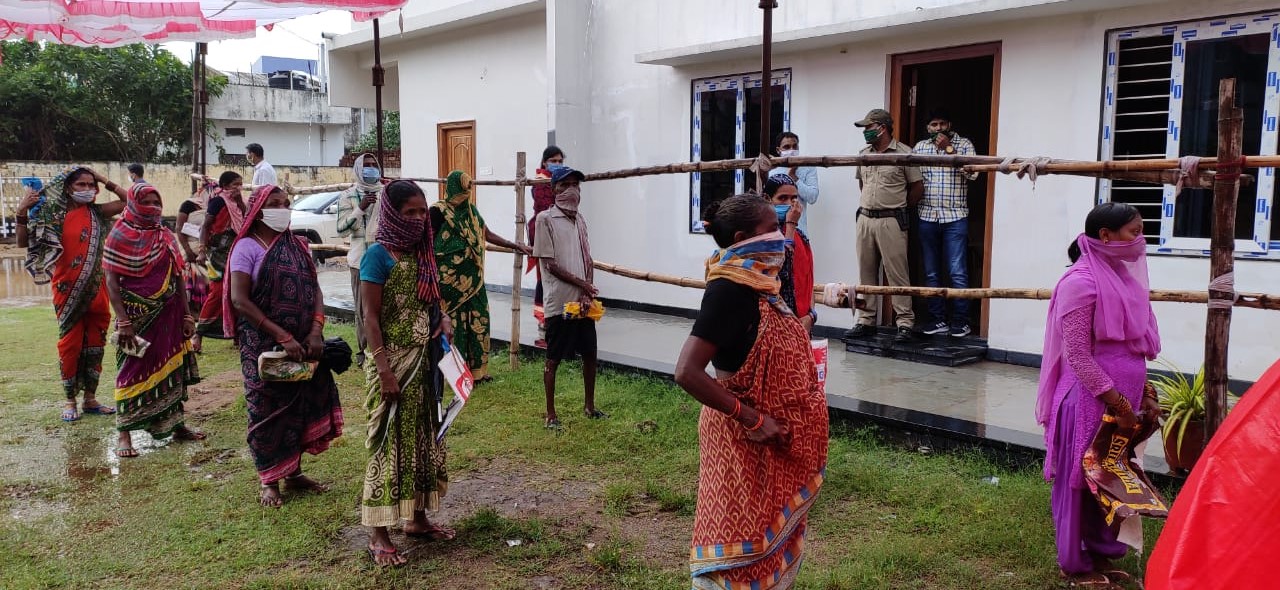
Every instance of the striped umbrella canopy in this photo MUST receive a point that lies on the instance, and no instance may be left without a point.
(109, 23)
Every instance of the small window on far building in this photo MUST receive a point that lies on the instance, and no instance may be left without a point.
(231, 159)
(235, 131)
(726, 125)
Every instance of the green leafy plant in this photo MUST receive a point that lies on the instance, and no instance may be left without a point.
(1181, 401)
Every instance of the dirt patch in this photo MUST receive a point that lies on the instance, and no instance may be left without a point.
(570, 509)
(214, 394)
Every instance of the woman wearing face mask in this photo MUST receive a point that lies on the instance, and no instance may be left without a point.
(223, 220)
(274, 300)
(1100, 333)
(797, 271)
(805, 178)
(459, 251)
(762, 433)
(405, 475)
(149, 297)
(543, 198)
(64, 231)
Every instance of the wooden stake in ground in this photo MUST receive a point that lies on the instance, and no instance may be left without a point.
(1226, 192)
(517, 267)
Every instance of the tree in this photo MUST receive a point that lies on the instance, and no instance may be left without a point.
(130, 103)
(390, 134)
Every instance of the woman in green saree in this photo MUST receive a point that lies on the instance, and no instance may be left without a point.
(459, 249)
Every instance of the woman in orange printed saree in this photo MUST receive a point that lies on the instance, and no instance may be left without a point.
(763, 431)
(64, 232)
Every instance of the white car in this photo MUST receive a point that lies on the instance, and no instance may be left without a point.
(315, 217)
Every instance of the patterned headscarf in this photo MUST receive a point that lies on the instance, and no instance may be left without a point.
(139, 240)
(463, 228)
(256, 203)
(46, 226)
(395, 232)
(753, 263)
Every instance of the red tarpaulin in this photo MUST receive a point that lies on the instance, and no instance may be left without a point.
(1224, 528)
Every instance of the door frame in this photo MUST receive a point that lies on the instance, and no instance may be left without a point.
(442, 152)
(992, 49)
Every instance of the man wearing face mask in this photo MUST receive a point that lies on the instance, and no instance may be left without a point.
(881, 232)
(564, 256)
(358, 220)
(944, 222)
(263, 172)
(804, 177)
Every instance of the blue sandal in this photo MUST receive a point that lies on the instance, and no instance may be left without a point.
(99, 409)
(69, 413)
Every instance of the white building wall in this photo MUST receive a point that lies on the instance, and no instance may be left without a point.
(284, 144)
(1051, 85)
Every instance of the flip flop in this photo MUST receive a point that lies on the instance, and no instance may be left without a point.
(435, 533)
(595, 414)
(69, 414)
(374, 552)
(126, 452)
(99, 409)
(552, 425)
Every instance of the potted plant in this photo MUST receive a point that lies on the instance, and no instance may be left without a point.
(1182, 415)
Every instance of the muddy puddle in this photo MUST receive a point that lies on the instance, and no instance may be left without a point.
(17, 288)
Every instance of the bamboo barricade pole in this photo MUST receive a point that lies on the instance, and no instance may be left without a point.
(1226, 193)
(1250, 300)
(517, 265)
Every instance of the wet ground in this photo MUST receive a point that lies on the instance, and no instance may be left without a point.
(985, 400)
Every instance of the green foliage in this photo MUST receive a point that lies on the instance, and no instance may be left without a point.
(390, 134)
(130, 103)
(1181, 401)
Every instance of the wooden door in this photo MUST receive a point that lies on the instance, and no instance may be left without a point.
(456, 144)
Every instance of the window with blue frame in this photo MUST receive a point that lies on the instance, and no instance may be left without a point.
(1161, 101)
(726, 125)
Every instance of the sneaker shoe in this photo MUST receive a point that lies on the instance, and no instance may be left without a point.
(903, 335)
(961, 331)
(937, 328)
(859, 331)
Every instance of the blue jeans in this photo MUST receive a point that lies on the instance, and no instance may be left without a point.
(949, 242)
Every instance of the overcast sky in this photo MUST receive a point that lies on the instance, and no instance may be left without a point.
(299, 37)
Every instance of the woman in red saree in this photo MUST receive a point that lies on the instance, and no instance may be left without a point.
(64, 232)
(147, 291)
(223, 220)
(763, 428)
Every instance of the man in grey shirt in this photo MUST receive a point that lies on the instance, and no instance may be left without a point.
(564, 256)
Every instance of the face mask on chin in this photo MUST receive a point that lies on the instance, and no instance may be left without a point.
(276, 219)
(788, 153)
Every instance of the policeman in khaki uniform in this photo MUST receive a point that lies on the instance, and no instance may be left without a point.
(881, 233)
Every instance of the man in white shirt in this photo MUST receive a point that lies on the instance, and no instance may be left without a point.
(263, 173)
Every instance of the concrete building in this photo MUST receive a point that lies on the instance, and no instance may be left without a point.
(296, 127)
(623, 84)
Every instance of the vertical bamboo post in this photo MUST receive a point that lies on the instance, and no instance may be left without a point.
(766, 85)
(1226, 188)
(517, 267)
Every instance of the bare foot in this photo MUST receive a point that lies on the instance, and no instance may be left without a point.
(303, 483)
(184, 433)
(269, 496)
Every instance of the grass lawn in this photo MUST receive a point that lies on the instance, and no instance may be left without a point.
(600, 505)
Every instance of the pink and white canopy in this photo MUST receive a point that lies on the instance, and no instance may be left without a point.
(108, 23)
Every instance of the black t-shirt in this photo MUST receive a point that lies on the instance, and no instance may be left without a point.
(216, 205)
(729, 319)
(189, 207)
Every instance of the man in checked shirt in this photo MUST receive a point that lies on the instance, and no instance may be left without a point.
(944, 222)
